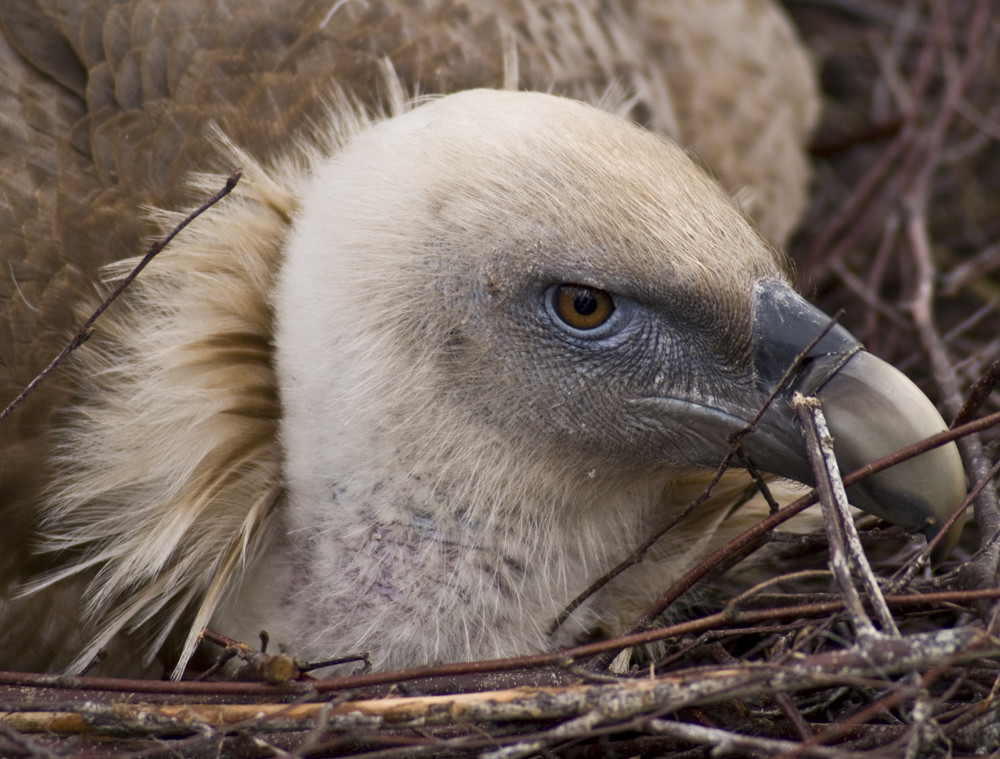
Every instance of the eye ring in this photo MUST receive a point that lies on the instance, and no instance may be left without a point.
(580, 307)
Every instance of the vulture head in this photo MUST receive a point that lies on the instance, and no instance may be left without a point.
(510, 331)
(506, 324)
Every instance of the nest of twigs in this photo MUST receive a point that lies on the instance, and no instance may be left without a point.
(838, 656)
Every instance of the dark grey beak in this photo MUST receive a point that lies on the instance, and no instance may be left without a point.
(872, 410)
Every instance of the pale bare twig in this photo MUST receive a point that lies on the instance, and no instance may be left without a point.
(845, 545)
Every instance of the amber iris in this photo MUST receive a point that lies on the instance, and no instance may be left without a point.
(583, 307)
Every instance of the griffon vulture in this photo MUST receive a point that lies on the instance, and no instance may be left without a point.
(439, 361)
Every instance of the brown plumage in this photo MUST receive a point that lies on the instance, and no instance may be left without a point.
(177, 471)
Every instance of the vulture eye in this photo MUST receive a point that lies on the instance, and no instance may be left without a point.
(580, 307)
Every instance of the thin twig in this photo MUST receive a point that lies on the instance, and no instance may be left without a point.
(85, 331)
(978, 567)
(725, 742)
(980, 391)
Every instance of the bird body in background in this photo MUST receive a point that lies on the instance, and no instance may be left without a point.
(437, 363)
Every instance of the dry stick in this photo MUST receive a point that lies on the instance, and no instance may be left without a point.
(842, 727)
(866, 292)
(929, 296)
(27, 746)
(845, 545)
(920, 715)
(743, 744)
(640, 552)
(595, 723)
(260, 666)
(867, 202)
(874, 193)
(792, 714)
(976, 268)
(983, 313)
(581, 726)
(84, 333)
(734, 448)
(961, 717)
(918, 686)
(619, 700)
(843, 535)
(906, 573)
(837, 143)
(980, 391)
(731, 617)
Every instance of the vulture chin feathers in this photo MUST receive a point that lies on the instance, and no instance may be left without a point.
(436, 364)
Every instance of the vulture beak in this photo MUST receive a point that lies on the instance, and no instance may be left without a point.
(871, 408)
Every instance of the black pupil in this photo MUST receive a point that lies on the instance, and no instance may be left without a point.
(585, 303)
